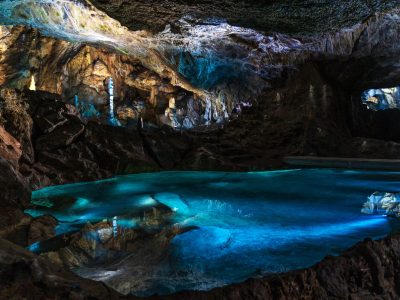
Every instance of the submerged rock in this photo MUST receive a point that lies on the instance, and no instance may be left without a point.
(174, 202)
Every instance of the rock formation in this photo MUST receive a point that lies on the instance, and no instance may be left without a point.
(382, 203)
(235, 90)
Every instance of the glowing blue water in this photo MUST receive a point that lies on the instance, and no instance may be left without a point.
(249, 224)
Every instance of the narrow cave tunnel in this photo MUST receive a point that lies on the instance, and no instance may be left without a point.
(199, 150)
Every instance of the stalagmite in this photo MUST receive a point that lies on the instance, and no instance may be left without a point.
(32, 86)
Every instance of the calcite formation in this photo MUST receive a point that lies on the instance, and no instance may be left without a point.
(382, 203)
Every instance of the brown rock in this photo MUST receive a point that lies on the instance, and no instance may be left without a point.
(62, 136)
(24, 275)
(10, 148)
(14, 194)
(41, 228)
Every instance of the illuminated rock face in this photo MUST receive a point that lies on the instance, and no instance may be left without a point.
(381, 99)
(203, 58)
(219, 63)
(80, 75)
(210, 59)
(382, 203)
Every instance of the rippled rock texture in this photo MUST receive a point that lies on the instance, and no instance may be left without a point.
(273, 15)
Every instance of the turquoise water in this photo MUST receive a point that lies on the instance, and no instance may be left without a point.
(247, 224)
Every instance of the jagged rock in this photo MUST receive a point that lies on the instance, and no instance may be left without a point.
(24, 275)
(27, 230)
(167, 147)
(312, 106)
(105, 234)
(15, 117)
(41, 228)
(14, 194)
(51, 113)
(10, 148)
(62, 136)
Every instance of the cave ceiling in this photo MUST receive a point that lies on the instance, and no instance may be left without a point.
(286, 16)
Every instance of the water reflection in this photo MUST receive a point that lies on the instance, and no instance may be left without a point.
(163, 232)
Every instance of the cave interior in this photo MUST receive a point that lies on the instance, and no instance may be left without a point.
(184, 149)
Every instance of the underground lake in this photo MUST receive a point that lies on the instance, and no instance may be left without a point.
(158, 233)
